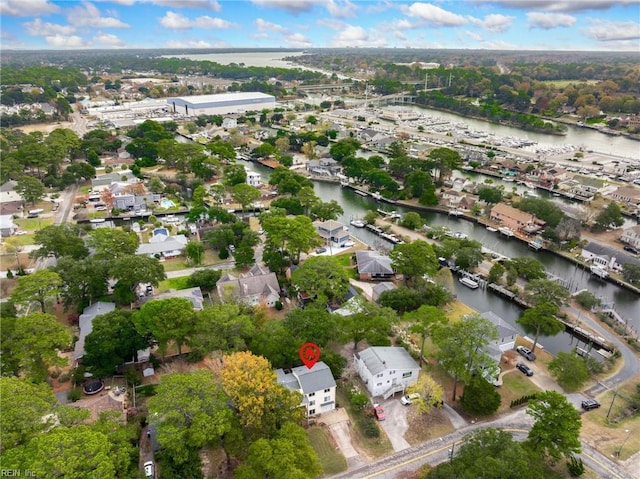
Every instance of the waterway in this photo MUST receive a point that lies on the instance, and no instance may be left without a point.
(356, 206)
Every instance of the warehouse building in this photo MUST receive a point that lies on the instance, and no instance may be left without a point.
(224, 103)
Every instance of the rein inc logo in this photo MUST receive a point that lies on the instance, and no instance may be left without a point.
(17, 473)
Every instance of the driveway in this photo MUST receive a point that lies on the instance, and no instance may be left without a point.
(338, 423)
(395, 425)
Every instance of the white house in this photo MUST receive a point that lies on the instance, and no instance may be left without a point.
(7, 226)
(254, 179)
(258, 285)
(164, 245)
(631, 236)
(317, 386)
(386, 370)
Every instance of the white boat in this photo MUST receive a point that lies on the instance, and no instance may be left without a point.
(344, 183)
(358, 223)
(508, 179)
(376, 196)
(97, 220)
(598, 271)
(362, 193)
(535, 244)
(469, 283)
(528, 184)
(506, 231)
(492, 229)
(531, 194)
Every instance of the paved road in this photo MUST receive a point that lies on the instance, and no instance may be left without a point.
(437, 451)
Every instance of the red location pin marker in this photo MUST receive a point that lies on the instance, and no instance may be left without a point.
(309, 354)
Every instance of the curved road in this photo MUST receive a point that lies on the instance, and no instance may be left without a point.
(437, 451)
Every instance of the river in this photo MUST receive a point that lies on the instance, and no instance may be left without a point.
(356, 206)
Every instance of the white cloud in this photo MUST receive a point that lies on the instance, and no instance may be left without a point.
(355, 36)
(473, 35)
(176, 21)
(193, 44)
(399, 36)
(495, 23)
(344, 9)
(109, 40)
(88, 15)
(44, 29)
(548, 21)
(27, 8)
(65, 41)
(436, 16)
(404, 24)
(265, 26)
(562, 5)
(199, 4)
(331, 24)
(294, 7)
(613, 31)
(298, 40)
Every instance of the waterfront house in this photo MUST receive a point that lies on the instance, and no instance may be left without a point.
(373, 266)
(85, 323)
(627, 195)
(631, 236)
(324, 167)
(514, 219)
(254, 178)
(386, 370)
(316, 384)
(606, 257)
(332, 232)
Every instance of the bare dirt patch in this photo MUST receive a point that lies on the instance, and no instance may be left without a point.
(423, 427)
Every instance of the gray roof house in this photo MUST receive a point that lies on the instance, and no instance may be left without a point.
(374, 266)
(316, 385)
(607, 257)
(164, 245)
(104, 181)
(258, 285)
(506, 333)
(386, 370)
(192, 294)
(332, 232)
(85, 322)
(7, 226)
(380, 288)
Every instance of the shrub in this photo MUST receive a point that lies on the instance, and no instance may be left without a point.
(223, 254)
(575, 466)
(194, 356)
(55, 373)
(278, 305)
(64, 378)
(369, 427)
(359, 401)
(9, 274)
(74, 394)
(134, 377)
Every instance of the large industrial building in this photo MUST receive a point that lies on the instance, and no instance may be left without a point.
(224, 103)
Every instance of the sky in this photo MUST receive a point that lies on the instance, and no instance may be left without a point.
(588, 25)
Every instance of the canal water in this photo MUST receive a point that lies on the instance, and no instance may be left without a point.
(356, 206)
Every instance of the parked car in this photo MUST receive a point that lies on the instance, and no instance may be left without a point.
(589, 404)
(408, 398)
(378, 412)
(527, 353)
(321, 250)
(525, 369)
(149, 469)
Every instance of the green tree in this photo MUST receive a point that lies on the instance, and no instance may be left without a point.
(113, 341)
(130, 271)
(495, 273)
(528, 268)
(610, 217)
(33, 343)
(234, 174)
(245, 194)
(569, 370)
(480, 397)
(321, 277)
(631, 272)
(206, 279)
(423, 322)
(24, 416)
(37, 287)
(30, 189)
(307, 198)
(462, 347)
(546, 291)
(83, 280)
(414, 259)
(541, 320)
(60, 240)
(490, 195)
(111, 243)
(324, 211)
(411, 220)
(368, 321)
(192, 412)
(194, 251)
(223, 326)
(288, 455)
(556, 430)
(445, 161)
(431, 393)
(586, 299)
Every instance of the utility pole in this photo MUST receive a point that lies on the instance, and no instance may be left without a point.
(426, 81)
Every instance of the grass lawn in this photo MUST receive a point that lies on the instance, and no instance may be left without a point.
(31, 224)
(180, 263)
(515, 385)
(374, 446)
(331, 459)
(22, 240)
(173, 283)
(457, 310)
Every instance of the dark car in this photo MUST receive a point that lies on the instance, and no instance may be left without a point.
(525, 369)
(321, 250)
(589, 404)
(527, 353)
(378, 412)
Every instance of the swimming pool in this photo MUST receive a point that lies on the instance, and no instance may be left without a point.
(165, 203)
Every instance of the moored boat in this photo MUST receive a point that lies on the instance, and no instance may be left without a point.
(469, 283)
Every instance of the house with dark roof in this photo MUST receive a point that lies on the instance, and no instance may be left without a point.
(380, 288)
(631, 236)
(373, 266)
(316, 384)
(606, 257)
(85, 323)
(258, 285)
(386, 370)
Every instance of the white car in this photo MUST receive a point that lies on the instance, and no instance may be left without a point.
(20, 233)
(408, 398)
(149, 469)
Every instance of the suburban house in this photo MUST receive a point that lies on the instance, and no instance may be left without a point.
(192, 294)
(324, 167)
(380, 288)
(7, 226)
(164, 245)
(254, 179)
(102, 182)
(332, 232)
(582, 186)
(10, 199)
(386, 370)
(374, 266)
(85, 322)
(626, 195)
(316, 384)
(516, 220)
(506, 335)
(631, 236)
(550, 177)
(258, 285)
(606, 257)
